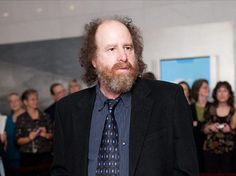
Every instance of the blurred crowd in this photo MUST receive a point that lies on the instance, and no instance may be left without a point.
(214, 124)
(26, 144)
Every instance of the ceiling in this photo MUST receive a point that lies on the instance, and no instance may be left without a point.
(16, 11)
(41, 19)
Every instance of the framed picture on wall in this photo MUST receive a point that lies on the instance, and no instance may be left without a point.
(188, 69)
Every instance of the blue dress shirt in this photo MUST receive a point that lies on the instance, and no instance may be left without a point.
(122, 116)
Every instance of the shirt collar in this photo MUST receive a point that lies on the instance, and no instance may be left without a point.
(125, 98)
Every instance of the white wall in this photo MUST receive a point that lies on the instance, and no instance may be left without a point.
(215, 40)
(157, 19)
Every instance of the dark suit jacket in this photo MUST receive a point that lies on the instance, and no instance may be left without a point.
(161, 139)
(199, 136)
(51, 111)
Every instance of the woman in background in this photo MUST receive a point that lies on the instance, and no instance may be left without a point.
(187, 91)
(200, 93)
(33, 132)
(12, 150)
(220, 141)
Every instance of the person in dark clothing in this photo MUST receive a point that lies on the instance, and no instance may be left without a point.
(33, 134)
(57, 91)
(149, 132)
(220, 142)
(200, 93)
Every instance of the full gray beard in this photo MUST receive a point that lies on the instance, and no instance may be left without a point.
(118, 83)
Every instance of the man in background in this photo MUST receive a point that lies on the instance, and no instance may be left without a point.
(73, 86)
(57, 91)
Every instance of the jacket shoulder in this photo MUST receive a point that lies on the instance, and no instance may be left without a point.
(161, 86)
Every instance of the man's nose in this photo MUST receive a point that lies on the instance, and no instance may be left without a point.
(123, 55)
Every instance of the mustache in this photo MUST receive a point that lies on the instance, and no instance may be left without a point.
(126, 65)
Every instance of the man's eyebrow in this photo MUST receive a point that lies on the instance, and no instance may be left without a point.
(115, 45)
(110, 45)
(128, 44)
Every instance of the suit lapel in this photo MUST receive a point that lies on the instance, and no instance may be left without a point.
(140, 115)
(82, 115)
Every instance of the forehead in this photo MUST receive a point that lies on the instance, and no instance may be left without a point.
(73, 83)
(33, 95)
(204, 84)
(11, 97)
(223, 87)
(58, 87)
(112, 31)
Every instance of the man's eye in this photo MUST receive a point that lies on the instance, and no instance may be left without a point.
(128, 47)
(111, 49)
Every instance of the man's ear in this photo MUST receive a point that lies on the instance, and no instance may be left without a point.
(94, 63)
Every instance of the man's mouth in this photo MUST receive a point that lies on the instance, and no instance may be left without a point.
(122, 66)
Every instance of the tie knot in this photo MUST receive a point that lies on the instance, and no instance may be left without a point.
(112, 104)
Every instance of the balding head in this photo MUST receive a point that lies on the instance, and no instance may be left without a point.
(89, 48)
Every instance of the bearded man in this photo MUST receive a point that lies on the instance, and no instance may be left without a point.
(123, 125)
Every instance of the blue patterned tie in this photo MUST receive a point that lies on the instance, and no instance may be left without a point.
(108, 155)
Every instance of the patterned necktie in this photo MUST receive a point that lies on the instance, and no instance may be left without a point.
(108, 155)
